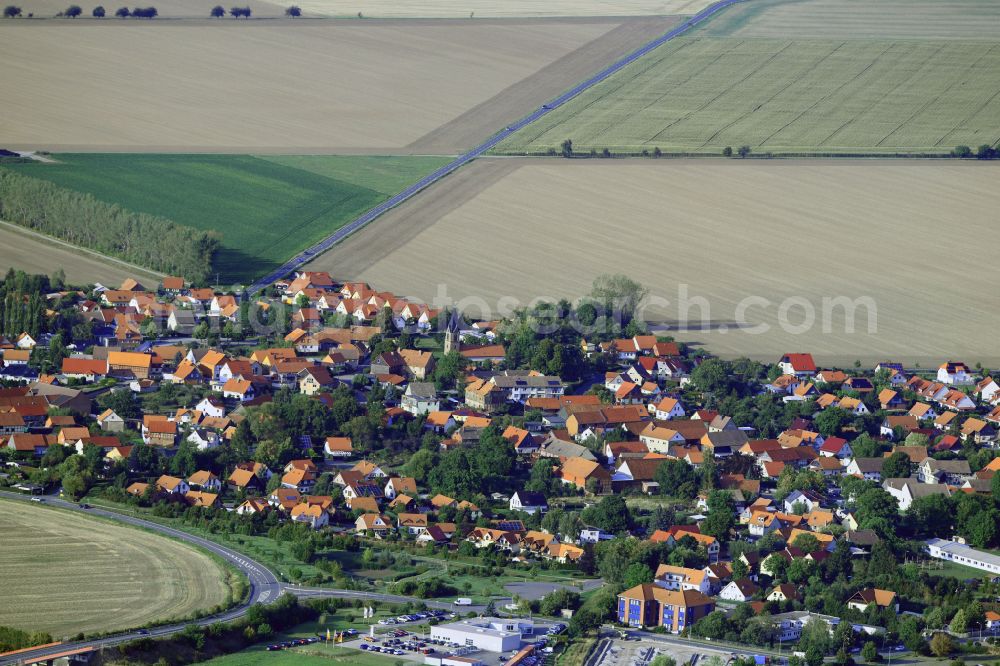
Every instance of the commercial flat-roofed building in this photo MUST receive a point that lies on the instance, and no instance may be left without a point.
(953, 551)
(493, 634)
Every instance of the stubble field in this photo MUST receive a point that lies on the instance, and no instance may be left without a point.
(33, 253)
(269, 86)
(65, 573)
(508, 8)
(728, 230)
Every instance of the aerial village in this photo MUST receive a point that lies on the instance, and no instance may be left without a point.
(731, 500)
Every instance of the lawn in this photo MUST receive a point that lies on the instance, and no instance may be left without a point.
(265, 209)
(785, 96)
(120, 577)
(954, 570)
(260, 657)
(275, 555)
(576, 653)
(318, 654)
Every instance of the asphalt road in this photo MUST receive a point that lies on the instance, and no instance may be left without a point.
(319, 248)
(264, 585)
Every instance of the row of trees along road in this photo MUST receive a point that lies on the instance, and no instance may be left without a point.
(73, 11)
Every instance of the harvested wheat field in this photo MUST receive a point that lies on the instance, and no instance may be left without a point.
(281, 86)
(508, 8)
(903, 235)
(23, 250)
(66, 573)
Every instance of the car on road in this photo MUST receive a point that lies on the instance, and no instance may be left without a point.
(84, 506)
(463, 601)
(143, 632)
(37, 499)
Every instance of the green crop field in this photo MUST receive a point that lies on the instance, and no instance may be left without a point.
(120, 577)
(698, 95)
(853, 19)
(265, 208)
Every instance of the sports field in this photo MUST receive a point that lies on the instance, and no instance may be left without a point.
(66, 573)
(265, 208)
(727, 230)
(786, 96)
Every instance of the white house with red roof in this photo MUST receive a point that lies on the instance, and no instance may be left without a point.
(800, 365)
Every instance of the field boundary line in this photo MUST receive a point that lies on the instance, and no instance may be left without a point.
(31, 233)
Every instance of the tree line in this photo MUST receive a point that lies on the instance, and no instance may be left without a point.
(80, 219)
(73, 11)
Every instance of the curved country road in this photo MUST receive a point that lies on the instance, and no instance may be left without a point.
(310, 253)
(264, 585)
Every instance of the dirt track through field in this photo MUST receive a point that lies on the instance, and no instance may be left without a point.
(900, 233)
(517, 100)
(282, 86)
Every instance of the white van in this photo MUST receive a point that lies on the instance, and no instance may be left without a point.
(463, 601)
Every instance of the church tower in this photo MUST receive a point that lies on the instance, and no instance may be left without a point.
(451, 334)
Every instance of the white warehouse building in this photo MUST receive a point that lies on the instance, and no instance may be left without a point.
(493, 634)
(953, 551)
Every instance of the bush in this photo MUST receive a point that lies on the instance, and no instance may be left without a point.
(961, 151)
(73, 11)
(293, 11)
(11, 11)
(727, 151)
(986, 152)
(98, 12)
(122, 12)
